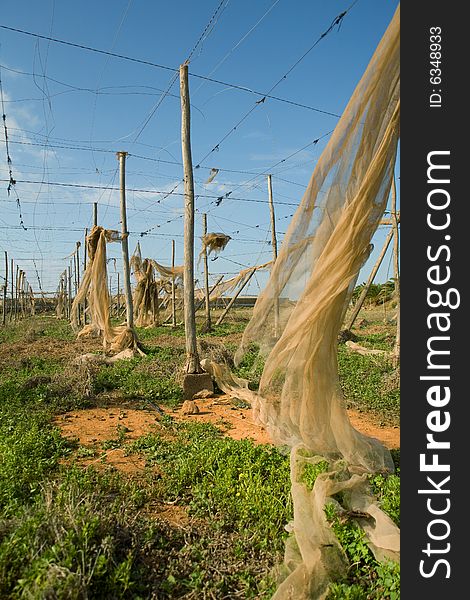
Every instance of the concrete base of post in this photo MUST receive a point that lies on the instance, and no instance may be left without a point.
(194, 383)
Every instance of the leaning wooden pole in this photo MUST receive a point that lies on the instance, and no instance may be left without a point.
(207, 324)
(372, 275)
(232, 301)
(396, 267)
(274, 245)
(216, 284)
(125, 242)
(192, 358)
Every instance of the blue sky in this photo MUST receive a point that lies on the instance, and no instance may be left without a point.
(68, 109)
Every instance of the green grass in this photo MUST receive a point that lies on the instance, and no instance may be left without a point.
(251, 366)
(370, 384)
(33, 328)
(71, 532)
(152, 377)
(236, 484)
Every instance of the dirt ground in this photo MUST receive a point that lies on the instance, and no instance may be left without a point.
(95, 426)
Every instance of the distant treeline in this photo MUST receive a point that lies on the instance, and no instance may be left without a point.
(378, 292)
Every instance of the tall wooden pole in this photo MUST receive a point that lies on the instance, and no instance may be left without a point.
(372, 275)
(95, 214)
(125, 242)
(273, 218)
(208, 324)
(173, 290)
(396, 267)
(274, 245)
(192, 363)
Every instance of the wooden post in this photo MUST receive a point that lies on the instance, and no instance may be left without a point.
(84, 269)
(173, 290)
(396, 268)
(95, 214)
(12, 306)
(207, 324)
(69, 305)
(21, 292)
(17, 280)
(110, 296)
(4, 308)
(156, 306)
(74, 272)
(32, 302)
(274, 245)
(78, 244)
(230, 304)
(77, 277)
(192, 364)
(5, 289)
(118, 296)
(373, 273)
(273, 218)
(125, 242)
(62, 295)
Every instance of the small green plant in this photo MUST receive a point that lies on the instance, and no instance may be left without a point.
(251, 366)
(310, 471)
(116, 442)
(363, 382)
(375, 580)
(387, 490)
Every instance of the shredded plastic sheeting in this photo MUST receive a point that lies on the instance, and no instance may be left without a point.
(230, 285)
(146, 301)
(214, 242)
(297, 319)
(169, 272)
(212, 175)
(94, 288)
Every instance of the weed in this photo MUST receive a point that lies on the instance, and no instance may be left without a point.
(362, 381)
(235, 482)
(367, 577)
(387, 490)
(152, 377)
(251, 366)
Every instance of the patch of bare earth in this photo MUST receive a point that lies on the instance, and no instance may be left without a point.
(93, 427)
